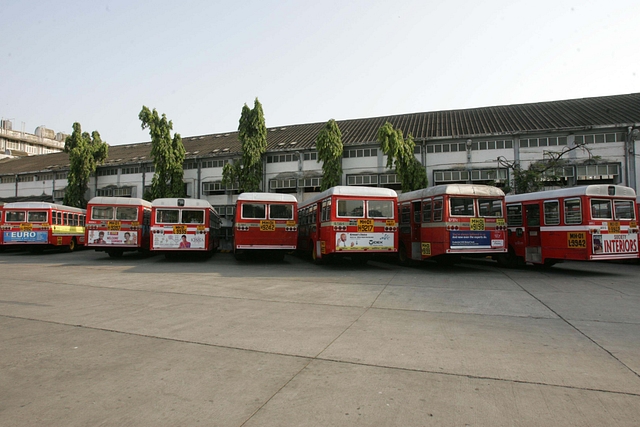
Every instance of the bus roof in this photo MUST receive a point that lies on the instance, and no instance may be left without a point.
(586, 190)
(352, 190)
(267, 197)
(453, 189)
(119, 201)
(42, 205)
(189, 203)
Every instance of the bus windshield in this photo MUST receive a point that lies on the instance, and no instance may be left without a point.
(624, 209)
(379, 209)
(37, 216)
(167, 216)
(193, 217)
(601, 209)
(253, 211)
(351, 208)
(14, 216)
(126, 213)
(102, 212)
(281, 212)
(491, 208)
(461, 206)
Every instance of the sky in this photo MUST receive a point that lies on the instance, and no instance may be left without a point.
(198, 62)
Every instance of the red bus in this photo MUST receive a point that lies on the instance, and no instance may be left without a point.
(348, 220)
(39, 225)
(265, 222)
(594, 222)
(184, 225)
(118, 224)
(447, 221)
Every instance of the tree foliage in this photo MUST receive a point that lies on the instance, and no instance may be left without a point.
(329, 146)
(400, 155)
(86, 152)
(539, 173)
(168, 156)
(252, 133)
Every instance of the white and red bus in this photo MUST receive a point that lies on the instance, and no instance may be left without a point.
(594, 222)
(39, 225)
(184, 225)
(348, 220)
(265, 222)
(448, 221)
(118, 224)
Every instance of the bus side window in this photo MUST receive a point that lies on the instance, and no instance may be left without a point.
(552, 213)
(417, 213)
(514, 215)
(426, 211)
(65, 219)
(437, 209)
(405, 214)
(572, 211)
(533, 215)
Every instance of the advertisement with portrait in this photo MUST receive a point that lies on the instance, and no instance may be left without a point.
(358, 241)
(112, 238)
(178, 241)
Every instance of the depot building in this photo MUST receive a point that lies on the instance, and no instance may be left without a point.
(455, 146)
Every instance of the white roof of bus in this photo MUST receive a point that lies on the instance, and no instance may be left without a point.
(119, 201)
(188, 203)
(352, 190)
(267, 197)
(453, 189)
(41, 205)
(586, 190)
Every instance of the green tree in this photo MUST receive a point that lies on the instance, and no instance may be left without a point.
(168, 156)
(540, 173)
(400, 155)
(86, 152)
(252, 133)
(329, 146)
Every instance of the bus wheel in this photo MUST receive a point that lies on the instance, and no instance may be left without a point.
(72, 245)
(402, 255)
(314, 255)
(115, 254)
(239, 255)
(508, 260)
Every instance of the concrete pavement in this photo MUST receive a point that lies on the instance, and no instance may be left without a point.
(89, 340)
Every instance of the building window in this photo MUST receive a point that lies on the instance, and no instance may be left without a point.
(362, 180)
(210, 164)
(282, 158)
(8, 179)
(216, 188)
(62, 175)
(283, 185)
(552, 141)
(107, 171)
(130, 170)
(360, 152)
(313, 155)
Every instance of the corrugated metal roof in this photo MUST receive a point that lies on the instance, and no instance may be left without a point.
(570, 114)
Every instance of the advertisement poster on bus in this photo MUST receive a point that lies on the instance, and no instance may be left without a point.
(178, 241)
(112, 238)
(606, 244)
(25, 236)
(474, 240)
(358, 241)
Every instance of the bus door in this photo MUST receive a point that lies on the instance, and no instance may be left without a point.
(416, 230)
(533, 247)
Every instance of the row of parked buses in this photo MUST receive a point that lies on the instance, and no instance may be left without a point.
(444, 223)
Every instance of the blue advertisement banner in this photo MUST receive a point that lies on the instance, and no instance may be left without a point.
(25, 236)
(470, 239)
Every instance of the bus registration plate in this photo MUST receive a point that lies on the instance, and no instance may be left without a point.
(267, 225)
(113, 225)
(476, 224)
(614, 227)
(365, 226)
(577, 239)
(179, 229)
(26, 226)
